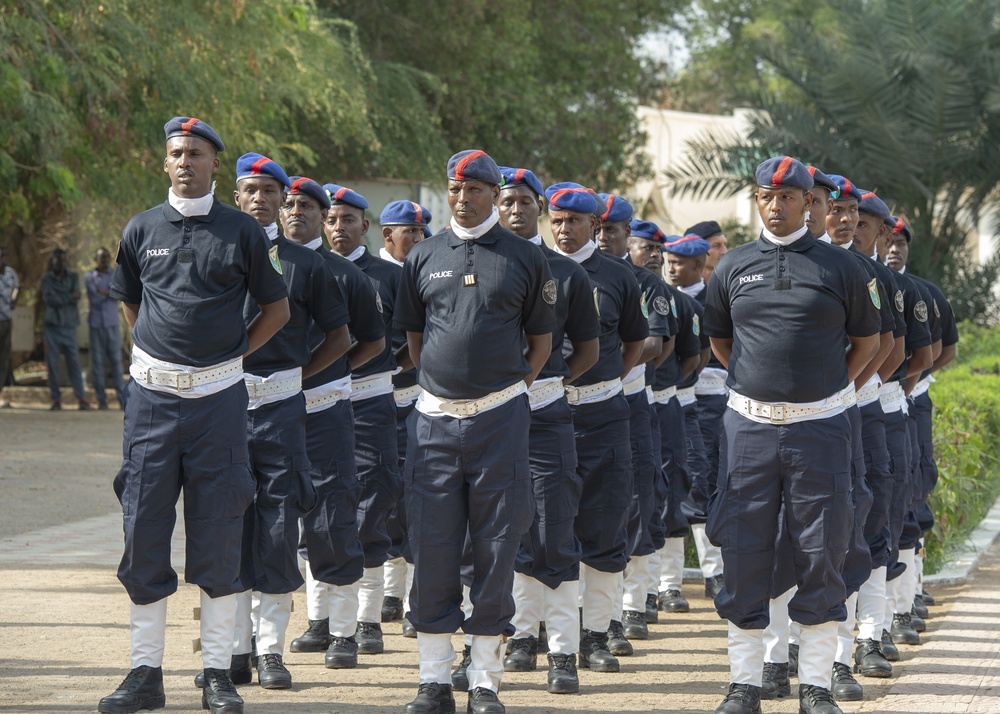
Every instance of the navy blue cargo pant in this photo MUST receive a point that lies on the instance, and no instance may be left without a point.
(604, 457)
(898, 445)
(858, 563)
(695, 505)
(198, 446)
(276, 434)
(673, 452)
(377, 455)
(878, 473)
(640, 511)
(924, 409)
(550, 551)
(711, 408)
(470, 476)
(805, 467)
(331, 527)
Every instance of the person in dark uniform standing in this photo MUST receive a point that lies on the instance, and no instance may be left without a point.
(185, 269)
(60, 291)
(778, 313)
(330, 530)
(105, 329)
(646, 244)
(717, 241)
(633, 604)
(469, 300)
(276, 427)
(922, 407)
(601, 418)
(547, 570)
(404, 224)
(377, 451)
(685, 265)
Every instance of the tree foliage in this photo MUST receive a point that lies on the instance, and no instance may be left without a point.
(899, 95)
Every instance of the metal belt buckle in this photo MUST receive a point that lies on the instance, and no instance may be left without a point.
(776, 414)
(572, 394)
(185, 382)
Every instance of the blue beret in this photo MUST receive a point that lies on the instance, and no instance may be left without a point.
(874, 206)
(783, 171)
(308, 187)
(346, 195)
(190, 126)
(569, 196)
(647, 230)
(845, 187)
(615, 207)
(510, 177)
(404, 213)
(259, 165)
(474, 165)
(899, 227)
(690, 245)
(823, 181)
(705, 229)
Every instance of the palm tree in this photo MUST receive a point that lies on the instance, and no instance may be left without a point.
(902, 96)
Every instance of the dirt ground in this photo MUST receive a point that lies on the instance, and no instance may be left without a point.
(64, 616)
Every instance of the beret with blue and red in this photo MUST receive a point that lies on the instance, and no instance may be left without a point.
(307, 187)
(569, 196)
(899, 227)
(511, 177)
(342, 194)
(191, 126)
(873, 206)
(705, 229)
(647, 230)
(782, 171)
(474, 165)
(690, 245)
(846, 188)
(252, 164)
(616, 208)
(404, 213)
(822, 180)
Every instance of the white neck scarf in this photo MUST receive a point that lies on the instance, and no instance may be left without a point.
(476, 231)
(537, 240)
(581, 255)
(825, 238)
(692, 290)
(188, 207)
(386, 255)
(356, 253)
(784, 240)
(901, 270)
(845, 246)
(314, 244)
(272, 232)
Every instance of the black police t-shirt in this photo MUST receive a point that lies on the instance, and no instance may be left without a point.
(575, 313)
(473, 301)
(384, 277)
(787, 310)
(915, 313)
(887, 277)
(313, 297)
(618, 300)
(688, 342)
(365, 314)
(190, 278)
(697, 322)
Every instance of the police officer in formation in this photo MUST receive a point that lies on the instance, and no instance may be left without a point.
(553, 417)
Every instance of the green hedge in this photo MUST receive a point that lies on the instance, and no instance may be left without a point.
(966, 441)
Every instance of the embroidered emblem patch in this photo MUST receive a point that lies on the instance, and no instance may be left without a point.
(549, 292)
(644, 306)
(900, 305)
(696, 325)
(920, 311)
(661, 305)
(873, 293)
(273, 255)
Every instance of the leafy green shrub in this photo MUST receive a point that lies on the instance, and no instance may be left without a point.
(966, 441)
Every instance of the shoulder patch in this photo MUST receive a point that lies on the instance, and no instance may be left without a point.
(920, 311)
(937, 310)
(873, 293)
(661, 305)
(673, 306)
(272, 253)
(696, 324)
(597, 301)
(549, 292)
(644, 305)
(378, 301)
(900, 305)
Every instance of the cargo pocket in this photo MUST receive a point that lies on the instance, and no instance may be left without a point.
(306, 491)
(126, 480)
(241, 485)
(523, 500)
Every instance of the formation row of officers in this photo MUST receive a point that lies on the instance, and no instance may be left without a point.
(533, 430)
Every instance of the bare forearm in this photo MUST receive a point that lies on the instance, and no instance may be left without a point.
(332, 348)
(363, 352)
(539, 349)
(272, 317)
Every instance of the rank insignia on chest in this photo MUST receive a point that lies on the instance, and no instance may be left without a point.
(273, 255)
(873, 293)
(469, 280)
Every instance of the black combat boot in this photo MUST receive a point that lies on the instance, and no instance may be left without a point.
(845, 687)
(594, 653)
(522, 655)
(433, 698)
(740, 699)
(562, 674)
(869, 660)
(219, 695)
(775, 684)
(316, 638)
(142, 688)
